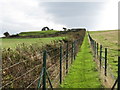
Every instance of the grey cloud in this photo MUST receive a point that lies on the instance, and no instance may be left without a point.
(74, 14)
(68, 9)
(33, 17)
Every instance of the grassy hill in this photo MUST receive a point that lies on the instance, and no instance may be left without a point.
(108, 39)
(13, 42)
(33, 33)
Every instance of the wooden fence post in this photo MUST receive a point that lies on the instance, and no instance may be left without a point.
(105, 61)
(44, 69)
(60, 64)
(100, 55)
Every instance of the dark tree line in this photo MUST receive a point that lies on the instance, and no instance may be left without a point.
(6, 34)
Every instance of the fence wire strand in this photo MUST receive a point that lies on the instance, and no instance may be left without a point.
(65, 55)
(20, 76)
(15, 64)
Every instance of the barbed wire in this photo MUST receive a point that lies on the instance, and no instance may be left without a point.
(52, 66)
(52, 50)
(20, 76)
(55, 78)
(54, 56)
(111, 72)
(33, 82)
(15, 64)
(59, 53)
(63, 57)
(109, 51)
(52, 74)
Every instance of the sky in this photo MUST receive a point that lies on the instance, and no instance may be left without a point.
(32, 15)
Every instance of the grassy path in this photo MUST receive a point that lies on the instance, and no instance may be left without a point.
(82, 73)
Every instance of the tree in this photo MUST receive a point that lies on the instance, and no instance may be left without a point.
(6, 34)
(45, 28)
(65, 29)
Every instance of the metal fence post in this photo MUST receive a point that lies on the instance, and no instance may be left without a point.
(93, 44)
(44, 69)
(60, 64)
(97, 49)
(67, 58)
(72, 52)
(100, 55)
(118, 72)
(94, 48)
(105, 61)
(118, 79)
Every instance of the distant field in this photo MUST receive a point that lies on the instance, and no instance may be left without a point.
(109, 39)
(106, 38)
(13, 42)
(33, 33)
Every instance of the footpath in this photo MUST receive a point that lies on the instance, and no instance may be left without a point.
(83, 72)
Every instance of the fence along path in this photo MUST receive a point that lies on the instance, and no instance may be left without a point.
(66, 56)
(82, 73)
(101, 57)
(48, 72)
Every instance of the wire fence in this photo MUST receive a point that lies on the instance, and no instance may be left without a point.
(67, 54)
(105, 56)
(38, 69)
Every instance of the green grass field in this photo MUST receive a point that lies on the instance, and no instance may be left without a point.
(33, 33)
(83, 72)
(13, 42)
(109, 39)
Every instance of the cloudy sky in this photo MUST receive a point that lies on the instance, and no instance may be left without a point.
(31, 15)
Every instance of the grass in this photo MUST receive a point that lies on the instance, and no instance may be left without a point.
(13, 42)
(33, 33)
(109, 39)
(83, 72)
